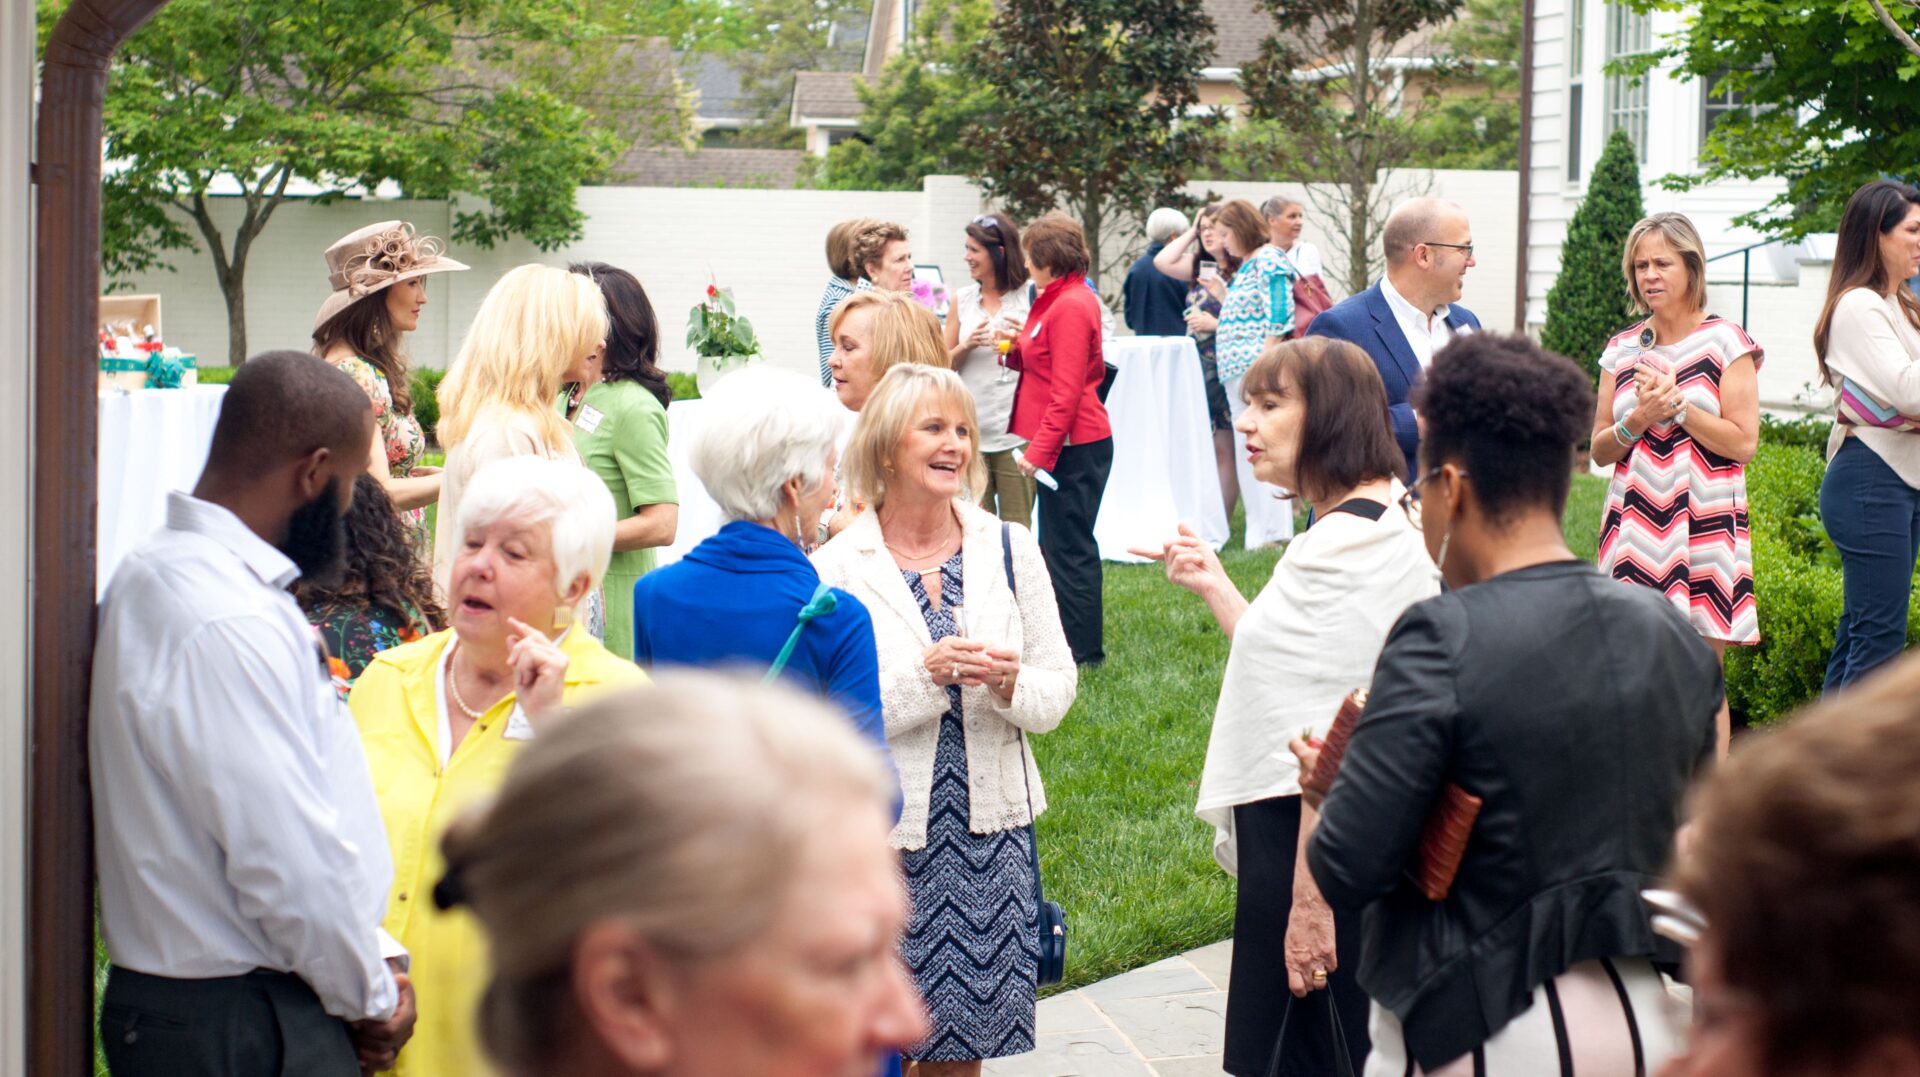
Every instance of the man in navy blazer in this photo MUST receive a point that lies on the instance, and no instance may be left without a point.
(1414, 310)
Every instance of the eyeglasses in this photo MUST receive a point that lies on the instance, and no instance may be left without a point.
(1410, 501)
(1467, 247)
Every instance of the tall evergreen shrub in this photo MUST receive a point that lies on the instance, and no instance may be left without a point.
(1588, 301)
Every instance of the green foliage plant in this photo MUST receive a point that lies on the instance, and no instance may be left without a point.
(917, 114)
(1588, 302)
(1096, 111)
(1831, 100)
(715, 329)
(260, 97)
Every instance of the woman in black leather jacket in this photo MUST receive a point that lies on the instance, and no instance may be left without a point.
(1577, 708)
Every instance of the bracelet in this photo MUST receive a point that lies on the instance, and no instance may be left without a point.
(1623, 435)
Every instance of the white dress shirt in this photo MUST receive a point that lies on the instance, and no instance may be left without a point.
(235, 822)
(1305, 258)
(1425, 333)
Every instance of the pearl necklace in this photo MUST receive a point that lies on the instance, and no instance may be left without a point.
(453, 686)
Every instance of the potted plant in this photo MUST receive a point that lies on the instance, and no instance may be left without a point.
(719, 336)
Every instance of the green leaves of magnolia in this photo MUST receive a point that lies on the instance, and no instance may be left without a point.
(1834, 96)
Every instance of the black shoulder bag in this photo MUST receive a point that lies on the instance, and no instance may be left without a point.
(1050, 919)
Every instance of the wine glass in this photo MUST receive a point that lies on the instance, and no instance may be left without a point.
(1002, 344)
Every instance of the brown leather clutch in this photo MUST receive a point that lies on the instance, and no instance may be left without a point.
(1444, 835)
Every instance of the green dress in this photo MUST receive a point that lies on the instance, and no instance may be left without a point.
(621, 433)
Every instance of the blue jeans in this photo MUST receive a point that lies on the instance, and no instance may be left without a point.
(1873, 518)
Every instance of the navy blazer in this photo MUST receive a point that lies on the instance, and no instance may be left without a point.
(1366, 319)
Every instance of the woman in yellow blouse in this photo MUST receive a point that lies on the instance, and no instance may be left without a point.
(442, 717)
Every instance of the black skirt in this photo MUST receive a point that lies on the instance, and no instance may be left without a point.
(1267, 833)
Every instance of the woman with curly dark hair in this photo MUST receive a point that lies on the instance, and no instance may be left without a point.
(620, 428)
(384, 596)
(1576, 709)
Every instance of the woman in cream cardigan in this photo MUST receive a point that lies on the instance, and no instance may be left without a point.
(968, 667)
(1315, 423)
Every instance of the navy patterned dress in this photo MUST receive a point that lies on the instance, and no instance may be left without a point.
(970, 940)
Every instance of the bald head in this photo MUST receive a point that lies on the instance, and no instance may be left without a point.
(283, 405)
(1417, 221)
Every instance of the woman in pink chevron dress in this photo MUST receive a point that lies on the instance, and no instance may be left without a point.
(1678, 418)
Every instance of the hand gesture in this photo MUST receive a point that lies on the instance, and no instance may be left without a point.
(1308, 753)
(1214, 286)
(1003, 672)
(1659, 399)
(1309, 947)
(1199, 321)
(378, 1043)
(1010, 328)
(982, 335)
(955, 660)
(539, 670)
(1191, 563)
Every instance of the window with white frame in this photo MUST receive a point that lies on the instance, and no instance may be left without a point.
(1717, 102)
(1629, 34)
(1576, 83)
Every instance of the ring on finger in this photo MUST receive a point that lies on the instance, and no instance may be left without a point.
(1319, 975)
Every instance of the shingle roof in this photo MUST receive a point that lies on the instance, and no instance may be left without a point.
(1239, 26)
(763, 169)
(717, 86)
(825, 95)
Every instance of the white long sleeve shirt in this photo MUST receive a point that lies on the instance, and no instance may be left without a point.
(1871, 342)
(235, 821)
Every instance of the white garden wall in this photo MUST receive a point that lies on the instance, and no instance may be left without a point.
(767, 245)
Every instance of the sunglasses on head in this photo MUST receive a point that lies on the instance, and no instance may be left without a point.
(984, 221)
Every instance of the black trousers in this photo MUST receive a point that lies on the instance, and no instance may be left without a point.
(1267, 833)
(1066, 542)
(263, 1024)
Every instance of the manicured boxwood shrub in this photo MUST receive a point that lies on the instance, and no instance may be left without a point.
(1796, 578)
(214, 375)
(684, 387)
(426, 404)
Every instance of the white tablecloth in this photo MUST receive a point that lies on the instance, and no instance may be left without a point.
(1163, 468)
(151, 441)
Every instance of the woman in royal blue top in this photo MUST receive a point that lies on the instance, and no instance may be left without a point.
(767, 458)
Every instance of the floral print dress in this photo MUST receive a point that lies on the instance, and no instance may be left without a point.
(400, 432)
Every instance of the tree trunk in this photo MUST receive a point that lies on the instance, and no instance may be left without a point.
(233, 286)
(1093, 220)
(230, 268)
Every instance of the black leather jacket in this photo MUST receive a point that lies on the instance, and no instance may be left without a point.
(1579, 709)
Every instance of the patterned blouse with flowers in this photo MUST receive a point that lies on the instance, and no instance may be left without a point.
(354, 634)
(401, 433)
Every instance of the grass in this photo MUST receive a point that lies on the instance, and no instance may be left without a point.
(1120, 847)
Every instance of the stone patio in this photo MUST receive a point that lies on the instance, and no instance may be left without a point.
(1166, 1019)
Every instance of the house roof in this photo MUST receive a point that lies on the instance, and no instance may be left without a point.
(716, 85)
(825, 95)
(1239, 26)
(762, 169)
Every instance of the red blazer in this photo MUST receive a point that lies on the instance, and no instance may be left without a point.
(1061, 364)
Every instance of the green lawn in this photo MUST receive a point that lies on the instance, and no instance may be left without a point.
(1120, 847)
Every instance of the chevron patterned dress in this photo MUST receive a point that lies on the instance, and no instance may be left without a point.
(970, 939)
(1676, 517)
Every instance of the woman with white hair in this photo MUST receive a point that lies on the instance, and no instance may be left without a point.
(747, 596)
(442, 717)
(539, 328)
(961, 692)
(689, 880)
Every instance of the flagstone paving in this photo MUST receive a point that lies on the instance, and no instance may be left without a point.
(1167, 1019)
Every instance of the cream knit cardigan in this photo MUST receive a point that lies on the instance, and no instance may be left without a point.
(857, 561)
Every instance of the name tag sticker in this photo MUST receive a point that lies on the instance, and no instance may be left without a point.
(518, 728)
(589, 419)
(1035, 334)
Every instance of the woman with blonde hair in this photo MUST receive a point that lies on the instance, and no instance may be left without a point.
(690, 879)
(1677, 419)
(538, 328)
(872, 332)
(972, 659)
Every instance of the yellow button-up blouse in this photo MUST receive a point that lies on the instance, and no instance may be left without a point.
(394, 703)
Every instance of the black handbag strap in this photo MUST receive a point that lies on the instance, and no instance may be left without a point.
(1342, 1058)
(1033, 821)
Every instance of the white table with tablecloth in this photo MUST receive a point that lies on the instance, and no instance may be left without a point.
(151, 441)
(1163, 467)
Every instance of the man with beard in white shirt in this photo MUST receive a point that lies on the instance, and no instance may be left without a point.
(243, 866)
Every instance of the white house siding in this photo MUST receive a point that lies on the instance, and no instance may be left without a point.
(765, 244)
(16, 348)
(1673, 146)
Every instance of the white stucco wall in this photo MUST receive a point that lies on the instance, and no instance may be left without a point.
(16, 343)
(766, 245)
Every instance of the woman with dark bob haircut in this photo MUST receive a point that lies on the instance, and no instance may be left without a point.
(1576, 709)
(1797, 893)
(620, 429)
(1057, 410)
(1316, 423)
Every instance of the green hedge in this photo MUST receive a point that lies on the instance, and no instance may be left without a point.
(1796, 578)
(214, 375)
(684, 387)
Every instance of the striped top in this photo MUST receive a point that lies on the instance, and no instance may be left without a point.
(1259, 305)
(1676, 515)
(837, 290)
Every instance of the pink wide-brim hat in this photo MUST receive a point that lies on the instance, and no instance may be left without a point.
(375, 258)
